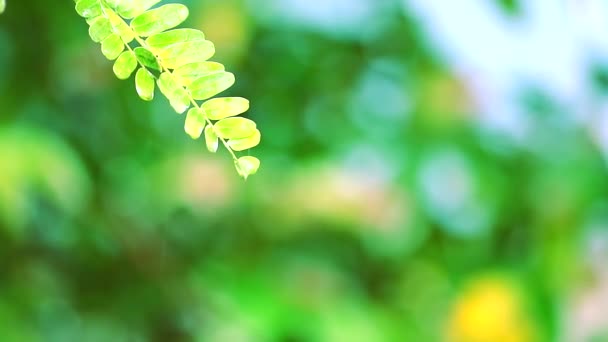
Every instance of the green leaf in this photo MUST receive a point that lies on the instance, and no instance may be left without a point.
(235, 128)
(112, 46)
(165, 39)
(146, 58)
(88, 8)
(131, 9)
(223, 107)
(2, 6)
(144, 84)
(211, 139)
(113, 3)
(247, 166)
(100, 28)
(159, 19)
(125, 65)
(195, 122)
(178, 54)
(191, 72)
(245, 143)
(177, 95)
(120, 27)
(211, 85)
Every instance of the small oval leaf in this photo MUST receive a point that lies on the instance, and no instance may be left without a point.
(191, 72)
(195, 122)
(245, 143)
(223, 107)
(211, 139)
(165, 39)
(159, 19)
(247, 166)
(131, 9)
(146, 58)
(211, 85)
(144, 84)
(88, 8)
(177, 95)
(112, 46)
(125, 65)
(100, 28)
(235, 128)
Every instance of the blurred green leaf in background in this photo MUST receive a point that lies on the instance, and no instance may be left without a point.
(433, 171)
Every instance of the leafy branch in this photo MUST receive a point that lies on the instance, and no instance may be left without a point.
(139, 36)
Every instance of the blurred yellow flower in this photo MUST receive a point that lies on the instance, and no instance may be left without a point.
(490, 309)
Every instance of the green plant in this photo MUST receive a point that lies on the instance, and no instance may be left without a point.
(142, 38)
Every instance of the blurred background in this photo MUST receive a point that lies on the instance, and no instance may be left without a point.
(431, 171)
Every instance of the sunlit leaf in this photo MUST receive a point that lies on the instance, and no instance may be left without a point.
(211, 139)
(178, 54)
(2, 6)
(235, 128)
(191, 72)
(177, 95)
(165, 39)
(223, 107)
(88, 8)
(112, 46)
(247, 166)
(125, 65)
(160, 19)
(211, 85)
(120, 27)
(100, 28)
(144, 84)
(195, 122)
(245, 143)
(131, 9)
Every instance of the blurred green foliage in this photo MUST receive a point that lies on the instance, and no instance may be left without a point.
(384, 211)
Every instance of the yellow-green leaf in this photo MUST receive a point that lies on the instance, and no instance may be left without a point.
(178, 54)
(159, 19)
(144, 84)
(130, 9)
(211, 85)
(100, 28)
(245, 143)
(211, 139)
(177, 95)
(191, 72)
(88, 8)
(195, 123)
(247, 166)
(223, 107)
(112, 46)
(165, 39)
(235, 128)
(120, 27)
(125, 65)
